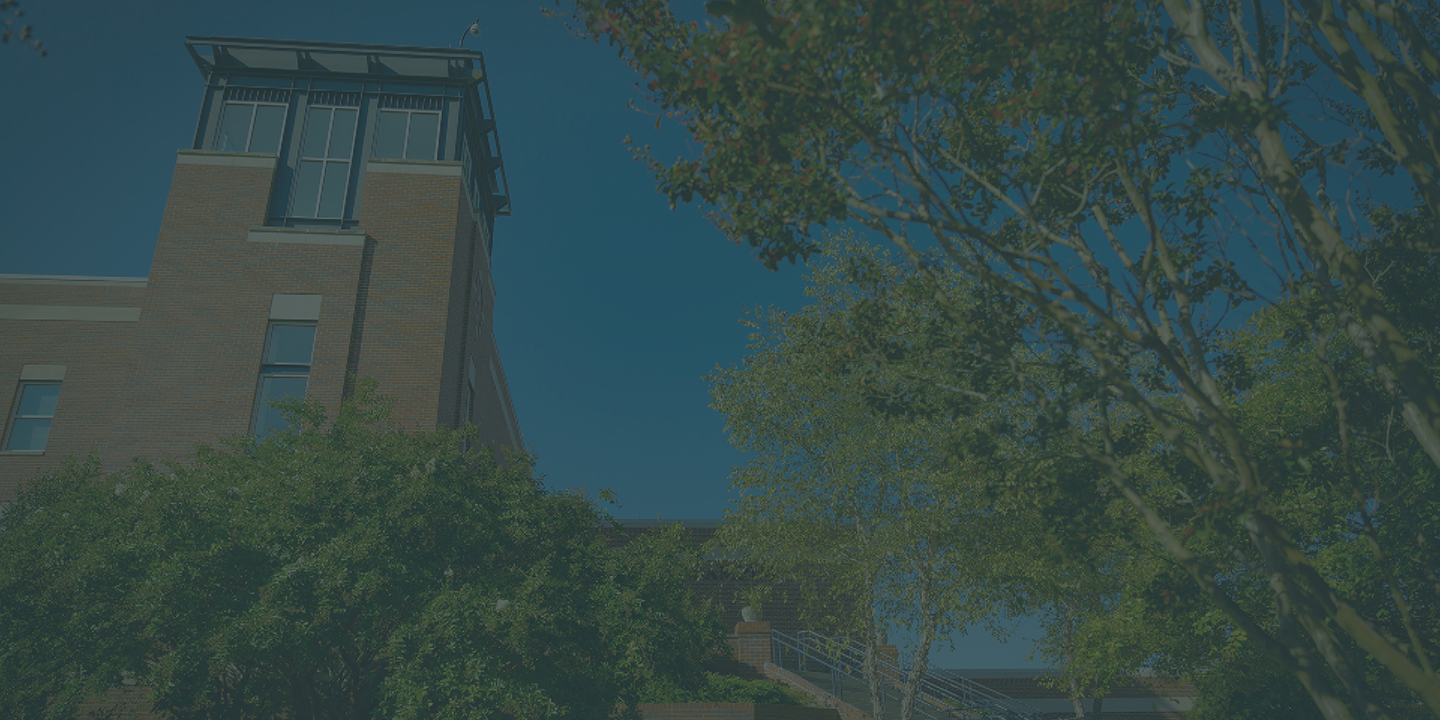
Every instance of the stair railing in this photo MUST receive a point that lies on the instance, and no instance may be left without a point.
(938, 696)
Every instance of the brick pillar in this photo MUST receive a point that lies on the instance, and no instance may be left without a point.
(752, 644)
(890, 654)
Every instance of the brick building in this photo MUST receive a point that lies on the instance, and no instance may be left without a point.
(333, 218)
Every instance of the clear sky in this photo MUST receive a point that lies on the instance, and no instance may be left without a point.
(610, 307)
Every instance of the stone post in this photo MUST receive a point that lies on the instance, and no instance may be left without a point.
(752, 644)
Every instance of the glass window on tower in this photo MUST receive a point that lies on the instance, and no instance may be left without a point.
(284, 373)
(323, 177)
(251, 127)
(407, 135)
(34, 411)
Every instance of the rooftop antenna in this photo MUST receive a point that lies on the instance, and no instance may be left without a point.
(474, 29)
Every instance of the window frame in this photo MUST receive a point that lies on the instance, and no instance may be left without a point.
(254, 106)
(469, 401)
(14, 415)
(270, 370)
(405, 147)
(325, 161)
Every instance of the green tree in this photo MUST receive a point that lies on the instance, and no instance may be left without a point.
(727, 689)
(11, 27)
(846, 497)
(1110, 167)
(337, 570)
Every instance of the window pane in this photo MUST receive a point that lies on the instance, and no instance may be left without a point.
(307, 188)
(424, 129)
(317, 132)
(29, 434)
(291, 344)
(269, 119)
(235, 127)
(38, 400)
(342, 136)
(390, 135)
(332, 191)
(267, 418)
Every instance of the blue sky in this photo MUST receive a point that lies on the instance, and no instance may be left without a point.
(610, 307)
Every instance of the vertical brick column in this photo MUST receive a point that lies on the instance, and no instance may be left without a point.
(889, 654)
(752, 644)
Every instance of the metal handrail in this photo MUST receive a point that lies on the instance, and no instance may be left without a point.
(938, 698)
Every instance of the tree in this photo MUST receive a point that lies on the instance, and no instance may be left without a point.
(10, 27)
(1129, 174)
(728, 689)
(847, 499)
(337, 570)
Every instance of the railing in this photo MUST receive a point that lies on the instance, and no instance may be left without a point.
(937, 698)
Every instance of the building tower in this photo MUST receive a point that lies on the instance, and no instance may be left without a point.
(332, 219)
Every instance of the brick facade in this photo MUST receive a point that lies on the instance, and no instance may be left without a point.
(155, 366)
(733, 711)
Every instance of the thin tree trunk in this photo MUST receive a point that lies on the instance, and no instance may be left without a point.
(872, 670)
(921, 662)
(1076, 699)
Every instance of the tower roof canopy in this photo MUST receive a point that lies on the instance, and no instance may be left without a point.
(353, 59)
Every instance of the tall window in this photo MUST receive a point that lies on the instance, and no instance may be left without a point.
(284, 372)
(34, 411)
(251, 127)
(324, 175)
(408, 135)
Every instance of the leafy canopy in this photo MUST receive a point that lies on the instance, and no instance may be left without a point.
(337, 570)
(1129, 176)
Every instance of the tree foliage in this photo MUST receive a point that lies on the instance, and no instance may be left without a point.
(10, 27)
(338, 570)
(719, 688)
(1130, 177)
(853, 491)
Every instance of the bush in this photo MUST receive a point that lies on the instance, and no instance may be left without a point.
(717, 688)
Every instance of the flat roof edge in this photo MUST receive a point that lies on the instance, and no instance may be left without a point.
(359, 48)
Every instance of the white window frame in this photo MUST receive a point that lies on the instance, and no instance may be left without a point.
(15, 414)
(278, 369)
(325, 162)
(410, 115)
(250, 133)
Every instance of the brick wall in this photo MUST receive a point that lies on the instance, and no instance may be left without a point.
(395, 305)
(733, 711)
(97, 359)
(119, 703)
(201, 336)
(411, 218)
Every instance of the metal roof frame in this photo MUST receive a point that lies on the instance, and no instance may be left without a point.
(473, 60)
